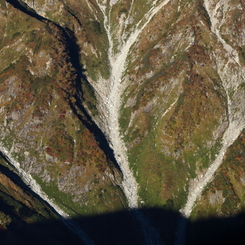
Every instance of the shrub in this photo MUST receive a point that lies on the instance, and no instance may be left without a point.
(5, 220)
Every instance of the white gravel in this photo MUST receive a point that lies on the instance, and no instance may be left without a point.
(112, 100)
(235, 114)
(112, 103)
(235, 126)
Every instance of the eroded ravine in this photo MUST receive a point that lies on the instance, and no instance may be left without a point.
(115, 88)
(235, 116)
(235, 126)
(112, 103)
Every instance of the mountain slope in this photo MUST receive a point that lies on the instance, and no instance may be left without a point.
(121, 104)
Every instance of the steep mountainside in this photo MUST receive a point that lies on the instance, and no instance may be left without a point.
(116, 105)
(21, 208)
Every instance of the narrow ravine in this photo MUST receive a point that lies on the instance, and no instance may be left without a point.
(115, 88)
(111, 100)
(231, 134)
(235, 127)
(236, 118)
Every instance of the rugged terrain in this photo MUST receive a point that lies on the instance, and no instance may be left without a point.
(134, 108)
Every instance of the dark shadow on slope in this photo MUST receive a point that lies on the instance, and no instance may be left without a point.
(23, 7)
(73, 50)
(77, 107)
(217, 231)
(122, 229)
(42, 233)
(119, 228)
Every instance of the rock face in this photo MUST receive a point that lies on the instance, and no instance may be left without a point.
(24, 218)
(110, 105)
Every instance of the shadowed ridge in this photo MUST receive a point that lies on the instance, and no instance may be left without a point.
(25, 9)
(73, 51)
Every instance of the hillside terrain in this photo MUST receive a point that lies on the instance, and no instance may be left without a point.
(122, 119)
